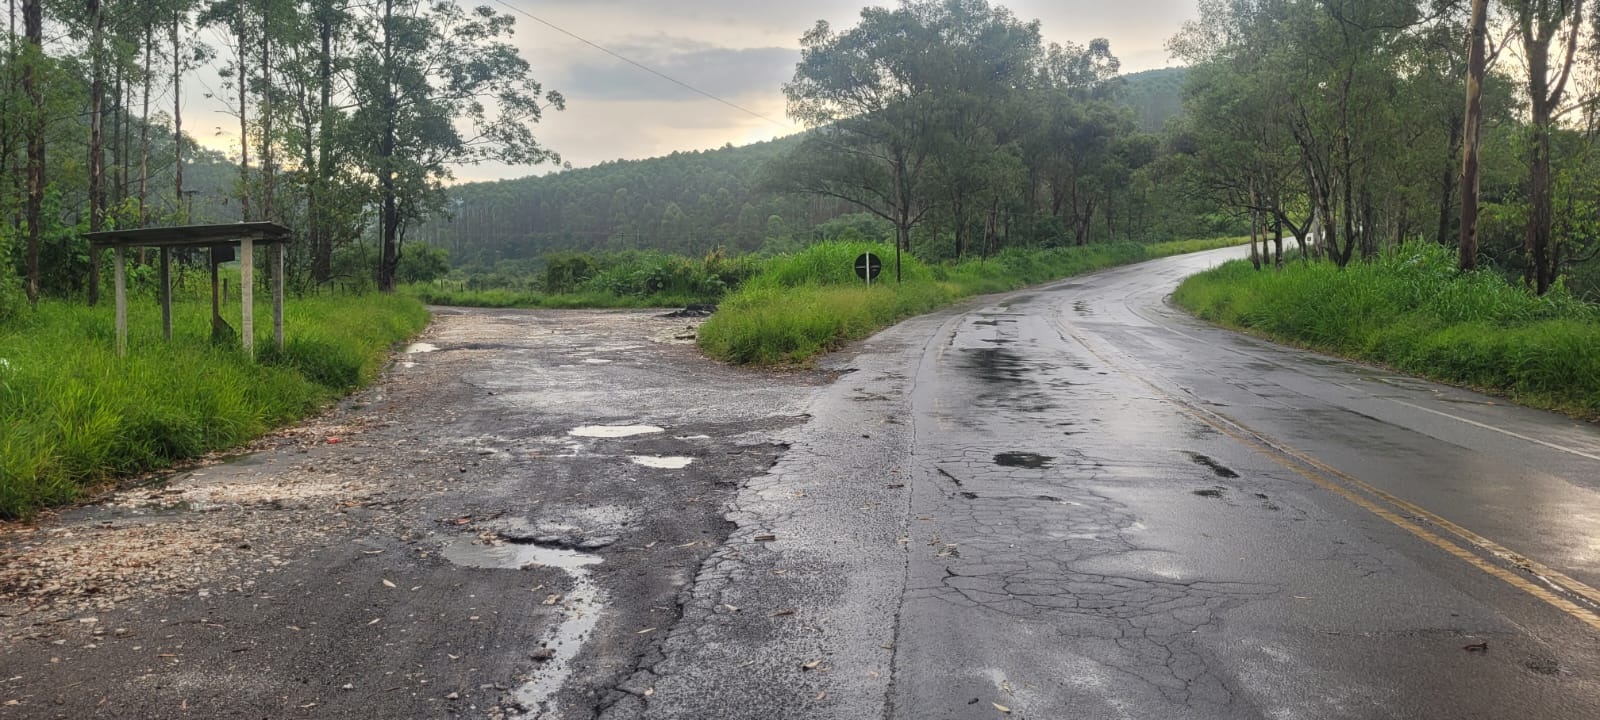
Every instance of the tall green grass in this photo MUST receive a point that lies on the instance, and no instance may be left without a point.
(1413, 311)
(74, 415)
(808, 303)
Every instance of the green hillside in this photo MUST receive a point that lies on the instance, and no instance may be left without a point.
(686, 202)
(1156, 96)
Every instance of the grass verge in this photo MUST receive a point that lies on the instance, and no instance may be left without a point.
(500, 298)
(1412, 311)
(806, 304)
(73, 415)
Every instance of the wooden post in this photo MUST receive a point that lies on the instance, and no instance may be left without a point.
(122, 302)
(277, 294)
(166, 293)
(216, 300)
(247, 295)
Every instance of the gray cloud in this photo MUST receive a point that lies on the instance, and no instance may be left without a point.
(723, 71)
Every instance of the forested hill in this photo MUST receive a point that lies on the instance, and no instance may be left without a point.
(1156, 96)
(688, 202)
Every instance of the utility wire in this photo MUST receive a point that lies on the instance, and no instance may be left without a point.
(640, 65)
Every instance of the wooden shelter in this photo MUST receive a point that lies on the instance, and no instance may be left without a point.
(215, 238)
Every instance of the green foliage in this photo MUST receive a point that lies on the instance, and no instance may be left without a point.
(1156, 96)
(73, 415)
(1412, 310)
(622, 279)
(812, 302)
(564, 272)
(420, 262)
(12, 299)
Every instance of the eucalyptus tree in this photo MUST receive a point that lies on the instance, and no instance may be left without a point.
(434, 86)
(1550, 34)
(877, 94)
(31, 58)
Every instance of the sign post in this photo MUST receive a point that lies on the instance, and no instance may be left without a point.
(868, 267)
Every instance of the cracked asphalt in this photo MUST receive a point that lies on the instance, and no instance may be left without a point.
(1077, 502)
(1067, 502)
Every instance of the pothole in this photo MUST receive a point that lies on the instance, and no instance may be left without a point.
(662, 463)
(580, 610)
(1216, 468)
(1032, 461)
(467, 552)
(414, 348)
(613, 431)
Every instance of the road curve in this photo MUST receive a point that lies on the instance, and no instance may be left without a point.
(1077, 502)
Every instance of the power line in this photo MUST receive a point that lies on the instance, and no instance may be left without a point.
(640, 65)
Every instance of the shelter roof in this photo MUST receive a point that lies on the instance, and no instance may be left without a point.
(263, 233)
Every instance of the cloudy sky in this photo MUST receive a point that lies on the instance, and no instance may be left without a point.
(740, 50)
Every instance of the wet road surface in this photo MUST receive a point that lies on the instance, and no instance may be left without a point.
(1077, 502)
(1068, 502)
(502, 527)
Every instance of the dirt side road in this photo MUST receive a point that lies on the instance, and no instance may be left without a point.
(456, 541)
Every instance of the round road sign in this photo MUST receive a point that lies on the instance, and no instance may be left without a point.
(868, 266)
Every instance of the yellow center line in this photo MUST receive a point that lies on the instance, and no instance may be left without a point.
(1309, 468)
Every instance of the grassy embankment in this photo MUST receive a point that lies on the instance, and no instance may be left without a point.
(73, 415)
(1414, 312)
(805, 304)
(631, 279)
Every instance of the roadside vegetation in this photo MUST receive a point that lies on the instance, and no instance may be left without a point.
(811, 302)
(600, 280)
(74, 416)
(1412, 310)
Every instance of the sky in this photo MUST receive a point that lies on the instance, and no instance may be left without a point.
(739, 50)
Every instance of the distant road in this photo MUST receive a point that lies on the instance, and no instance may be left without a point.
(1078, 502)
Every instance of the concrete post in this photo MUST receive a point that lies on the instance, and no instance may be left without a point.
(278, 252)
(122, 302)
(166, 293)
(247, 295)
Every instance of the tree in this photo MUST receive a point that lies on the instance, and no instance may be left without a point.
(876, 93)
(31, 58)
(1477, 68)
(1543, 26)
(436, 86)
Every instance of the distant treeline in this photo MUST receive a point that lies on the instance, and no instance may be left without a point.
(692, 202)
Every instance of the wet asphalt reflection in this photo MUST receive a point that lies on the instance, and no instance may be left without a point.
(1079, 503)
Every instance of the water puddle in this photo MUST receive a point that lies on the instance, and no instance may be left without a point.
(469, 553)
(414, 348)
(997, 366)
(663, 463)
(597, 361)
(580, 607)
(1032, 461)
(613, 431)
(1218, 469)
(692, 437)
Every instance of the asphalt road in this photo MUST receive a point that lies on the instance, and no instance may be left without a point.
(1068, 502)
(1078, 502)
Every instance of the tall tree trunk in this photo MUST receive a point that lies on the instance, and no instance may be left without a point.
(265, 111)
(33, 28)
(317, 198)
(177, 118)
(1539, 30)
(97, 96)
(1477, 68)
(242, 78)
(144, 125)
(389, 252)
